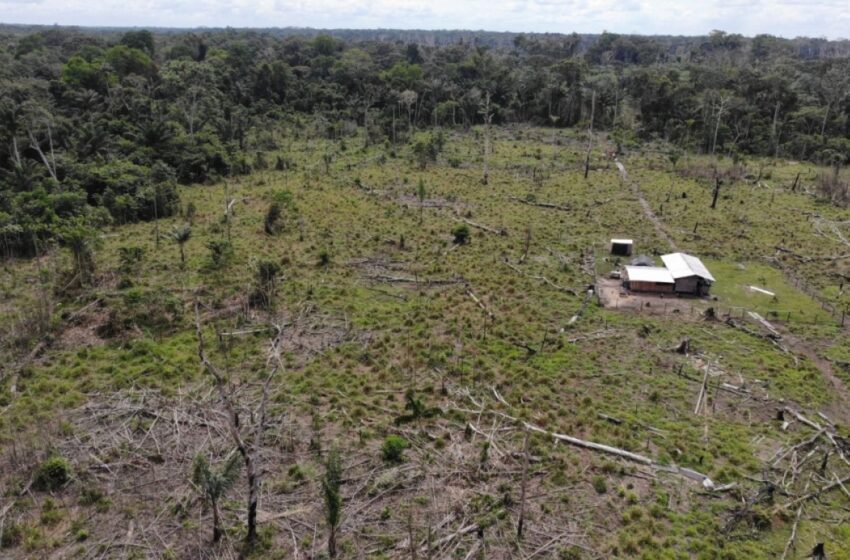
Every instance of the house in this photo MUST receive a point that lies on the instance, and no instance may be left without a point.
(688, 272)
(655, 279)
(622, 247)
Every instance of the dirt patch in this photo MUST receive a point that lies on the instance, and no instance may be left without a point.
(613, 295)
(81, 331)
(309, 333)
(837, 409)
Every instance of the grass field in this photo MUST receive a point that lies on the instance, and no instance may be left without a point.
(375, 300)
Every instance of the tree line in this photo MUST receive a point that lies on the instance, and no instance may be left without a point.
(99, 126)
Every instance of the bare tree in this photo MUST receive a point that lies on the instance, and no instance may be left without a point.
(49, 160)
(408, 99)
(487, 114)
(248, 444)
(590, 133)
(719, 108)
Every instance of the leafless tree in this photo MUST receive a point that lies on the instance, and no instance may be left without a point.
(487, 114)
(248, 442)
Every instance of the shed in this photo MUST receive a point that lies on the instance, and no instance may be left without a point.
(622, 247)
(648, 279)
(690, 274)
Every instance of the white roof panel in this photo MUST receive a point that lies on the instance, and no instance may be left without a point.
(657, 274)
(682, 265)
(622, 241)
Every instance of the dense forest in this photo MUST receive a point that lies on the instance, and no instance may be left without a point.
(99, 126)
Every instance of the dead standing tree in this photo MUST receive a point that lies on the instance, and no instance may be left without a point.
(716, 193)
(590, 134)
(487, 114)
(719, 108)
(248, 444)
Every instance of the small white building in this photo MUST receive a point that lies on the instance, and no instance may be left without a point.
(689, 273)
(622, 247)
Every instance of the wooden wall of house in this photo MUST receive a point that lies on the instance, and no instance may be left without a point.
(650, 287)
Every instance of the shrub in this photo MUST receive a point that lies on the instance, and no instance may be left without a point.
(393, 449)
(11, 536)
(599, 484)
(461, 234)
(281, 210)
(131, 258)
(220, 252)
(54, 473)
(324, 258)
(265, 277)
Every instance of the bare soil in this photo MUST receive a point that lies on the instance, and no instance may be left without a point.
(613, 295)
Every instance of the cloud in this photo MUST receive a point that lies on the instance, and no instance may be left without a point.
(790, 18)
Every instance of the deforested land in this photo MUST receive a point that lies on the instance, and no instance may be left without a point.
(292, 293)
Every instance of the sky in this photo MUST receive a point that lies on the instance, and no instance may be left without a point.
(787, 18)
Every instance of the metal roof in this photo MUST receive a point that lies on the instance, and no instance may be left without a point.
(622, 241)
(682, 265)
(657, 274)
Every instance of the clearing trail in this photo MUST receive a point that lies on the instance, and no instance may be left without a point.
(647, 209)
(837, 409)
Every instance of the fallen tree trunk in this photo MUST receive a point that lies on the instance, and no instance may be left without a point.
(541, 204)
(610, 450)
(406, 280)
(481, 304)
(482, 227)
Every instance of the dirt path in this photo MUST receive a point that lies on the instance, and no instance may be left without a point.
(647, 209)
(837, 409)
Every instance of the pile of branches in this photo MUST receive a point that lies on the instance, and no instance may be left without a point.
(799, 478)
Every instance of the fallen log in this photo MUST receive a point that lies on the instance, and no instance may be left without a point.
(481, 305)
(408, 280)
(482, 227)
(610, 450)
(540, 204)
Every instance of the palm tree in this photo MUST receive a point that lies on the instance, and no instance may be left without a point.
(333, 499)
(214, 485)
(181, 235)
